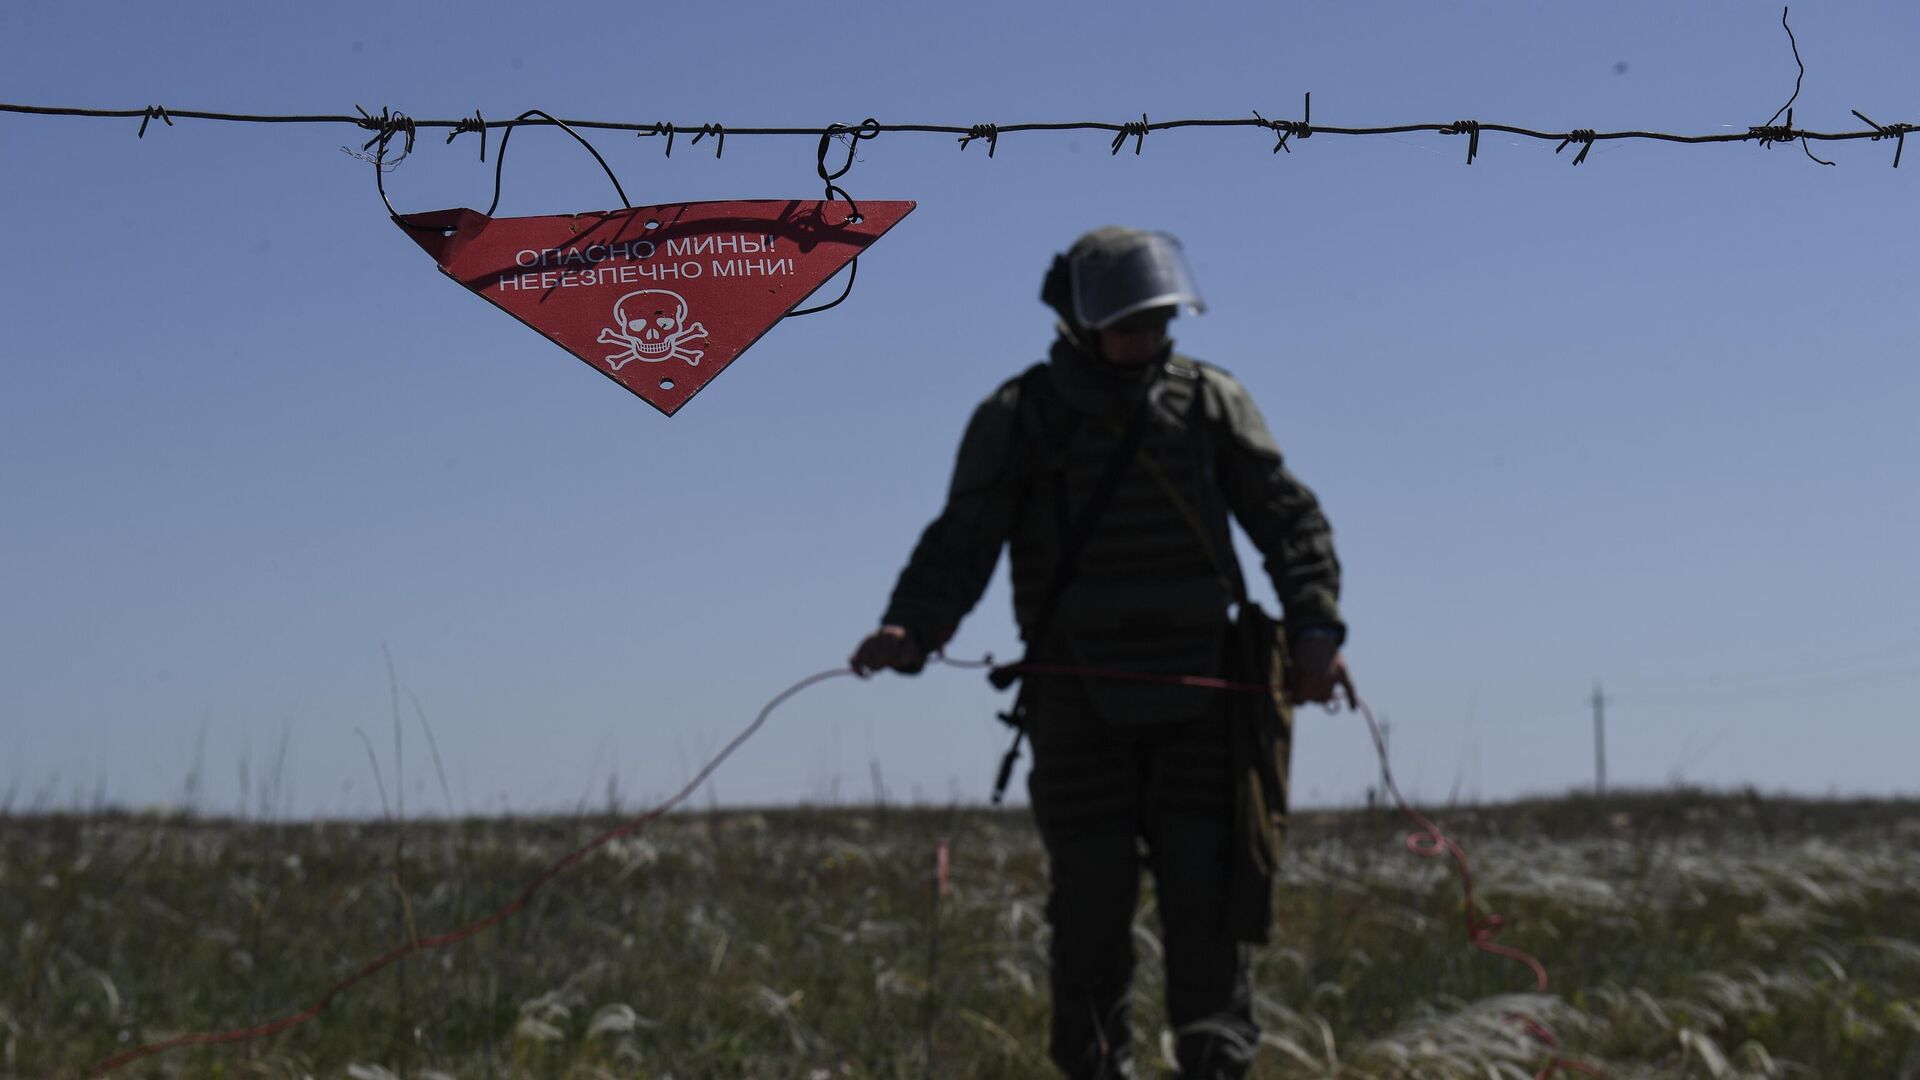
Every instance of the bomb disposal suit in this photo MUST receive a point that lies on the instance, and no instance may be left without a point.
(1150, 587)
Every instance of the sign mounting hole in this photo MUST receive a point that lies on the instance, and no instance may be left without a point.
(666, 384)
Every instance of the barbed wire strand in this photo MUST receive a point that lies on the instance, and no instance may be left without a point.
(1136, 129)
(385, 124)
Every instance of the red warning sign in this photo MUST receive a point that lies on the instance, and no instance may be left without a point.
(660, 299)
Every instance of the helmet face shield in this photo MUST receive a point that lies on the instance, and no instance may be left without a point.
(1115, 279)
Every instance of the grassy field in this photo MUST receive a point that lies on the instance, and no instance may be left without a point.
(1688, 935)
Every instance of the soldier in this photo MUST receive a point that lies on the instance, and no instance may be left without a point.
(1110, 471)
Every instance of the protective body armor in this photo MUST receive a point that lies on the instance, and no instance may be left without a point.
(1148, 595)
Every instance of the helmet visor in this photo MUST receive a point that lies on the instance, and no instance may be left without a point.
(1112, 282)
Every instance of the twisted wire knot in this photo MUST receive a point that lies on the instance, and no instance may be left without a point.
(1287, 129)
(154, 112)
(1136, 130)
(1469, 128)
(476, 122)
(385, 126)
(853, 134)
(1768, 134)
(989, 132)
(1585, 137)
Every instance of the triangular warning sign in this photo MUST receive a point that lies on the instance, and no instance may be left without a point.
(659, 299)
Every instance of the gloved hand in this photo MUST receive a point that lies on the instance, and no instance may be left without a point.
(1318, 670)
(888, 647)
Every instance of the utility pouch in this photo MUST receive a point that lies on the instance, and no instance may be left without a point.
(1261, 726)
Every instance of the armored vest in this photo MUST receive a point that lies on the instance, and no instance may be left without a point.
(1151, 593)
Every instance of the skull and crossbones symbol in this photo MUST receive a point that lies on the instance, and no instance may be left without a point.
(653, 329)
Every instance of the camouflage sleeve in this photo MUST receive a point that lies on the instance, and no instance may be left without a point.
(954, 560)
(1280, 514)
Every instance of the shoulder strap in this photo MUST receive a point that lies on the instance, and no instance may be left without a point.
(1218, 544)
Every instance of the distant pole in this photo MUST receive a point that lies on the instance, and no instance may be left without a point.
(1599, 740)
(1386, 747)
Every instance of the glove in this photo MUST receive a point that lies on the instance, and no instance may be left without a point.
(1317, 667)
(888, 647)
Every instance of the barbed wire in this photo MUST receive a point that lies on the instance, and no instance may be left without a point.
(388, 123)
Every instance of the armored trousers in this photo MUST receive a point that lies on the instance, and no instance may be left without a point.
(1109, 799)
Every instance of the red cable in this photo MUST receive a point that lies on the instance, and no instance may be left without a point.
(1429, 843)
(472, 928)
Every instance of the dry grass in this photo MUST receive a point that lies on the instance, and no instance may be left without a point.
(1688, 935)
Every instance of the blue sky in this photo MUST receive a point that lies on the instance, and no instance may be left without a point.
(1648, 421)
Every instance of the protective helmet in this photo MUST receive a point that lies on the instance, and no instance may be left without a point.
(1112, 272)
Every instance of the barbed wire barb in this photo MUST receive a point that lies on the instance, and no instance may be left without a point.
(1896, 132)
(154, 112)
(1469, 128)
(1138, 130)
(720, 138)
(476, 123)
(989, 132)
(1289, 128)
(1584, 136)
(664, 128)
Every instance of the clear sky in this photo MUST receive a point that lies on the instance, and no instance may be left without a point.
(1650, 421)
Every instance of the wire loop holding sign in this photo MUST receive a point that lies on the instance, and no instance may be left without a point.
(385, 126)
(500, 161)
(867, 129)
(854, 134)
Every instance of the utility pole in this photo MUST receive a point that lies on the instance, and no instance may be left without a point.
(1386, 746)
(1599, 740)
